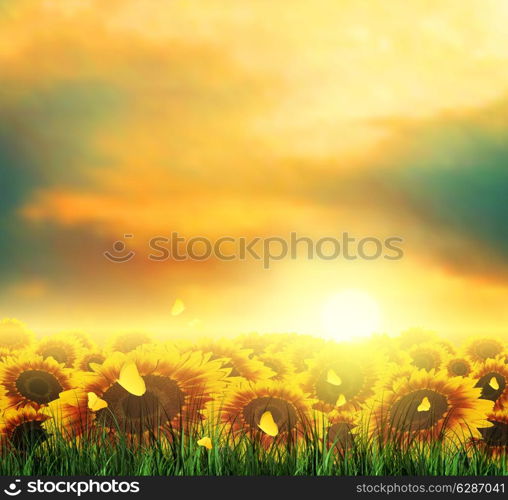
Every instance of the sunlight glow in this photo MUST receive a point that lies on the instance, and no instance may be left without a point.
(350, 314)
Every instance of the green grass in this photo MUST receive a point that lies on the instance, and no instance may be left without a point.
(183, 457)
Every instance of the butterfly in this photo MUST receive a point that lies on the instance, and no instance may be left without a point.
(131, 380)
(268, 425)
(494, 383)
(206, 442)
(424, 405)
(95, 403)
(333, 378)
(178, 307)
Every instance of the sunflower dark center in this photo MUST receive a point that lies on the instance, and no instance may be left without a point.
(351, 383)
(283, 413)
(162, 402)
(59, 354)
(340, 435)
(27, 436)
(277, 368)
(130, 342)
(299, 364)
(488, 386)
(273, 366)
(38, 386)
(410, 414)
(488, 350)
(424, 361)
(497, 435)
(460, 368)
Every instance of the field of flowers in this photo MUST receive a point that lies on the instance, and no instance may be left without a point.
(254, 404)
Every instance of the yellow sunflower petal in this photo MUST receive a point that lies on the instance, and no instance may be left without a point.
(96, 367)
(69, 397)
(424, 405)
(206, 442)
(95, 403)
(131, 380)
(267, 424)
(333, 378)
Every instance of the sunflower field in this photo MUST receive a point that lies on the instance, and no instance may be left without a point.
(257, 404)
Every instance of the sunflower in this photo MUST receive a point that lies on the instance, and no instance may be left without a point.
(70, 415)
(278, 364)
(62, 348)
(341, 429)
(237, 360)
(255, 342)
(83, 338)
(458, 367)
(341, 377)
(301, 348)
(5, 353)
(415, 336)
(29, 380)
(391, 375)
(426, 407)
(492, 378)
(267, 412)
(494, 439)
(22, 430)
(14, 335)
(176, 390)
(427, 356)
(483, 348)
(261, 343)
(447, 346)
(96, 356)
(127, 342)
(390, 349)
(504, 356)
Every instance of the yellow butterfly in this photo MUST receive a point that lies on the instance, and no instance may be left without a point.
(95, 403)
(131, 380)
(341, 400)
(206, 442)
(424, 405)
(494, 383)
(178, 307)
(267, 424)
(333, 378)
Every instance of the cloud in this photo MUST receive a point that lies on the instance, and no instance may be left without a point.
(440, 182)
(45, 138)
(216, 118)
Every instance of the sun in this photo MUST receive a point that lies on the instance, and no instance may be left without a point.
(350, 314)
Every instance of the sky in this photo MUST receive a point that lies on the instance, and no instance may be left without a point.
(253, 119)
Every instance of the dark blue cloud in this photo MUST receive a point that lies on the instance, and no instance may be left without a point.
(44, 142)
(454, 173)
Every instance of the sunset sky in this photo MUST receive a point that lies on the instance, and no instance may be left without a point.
(261, 118)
